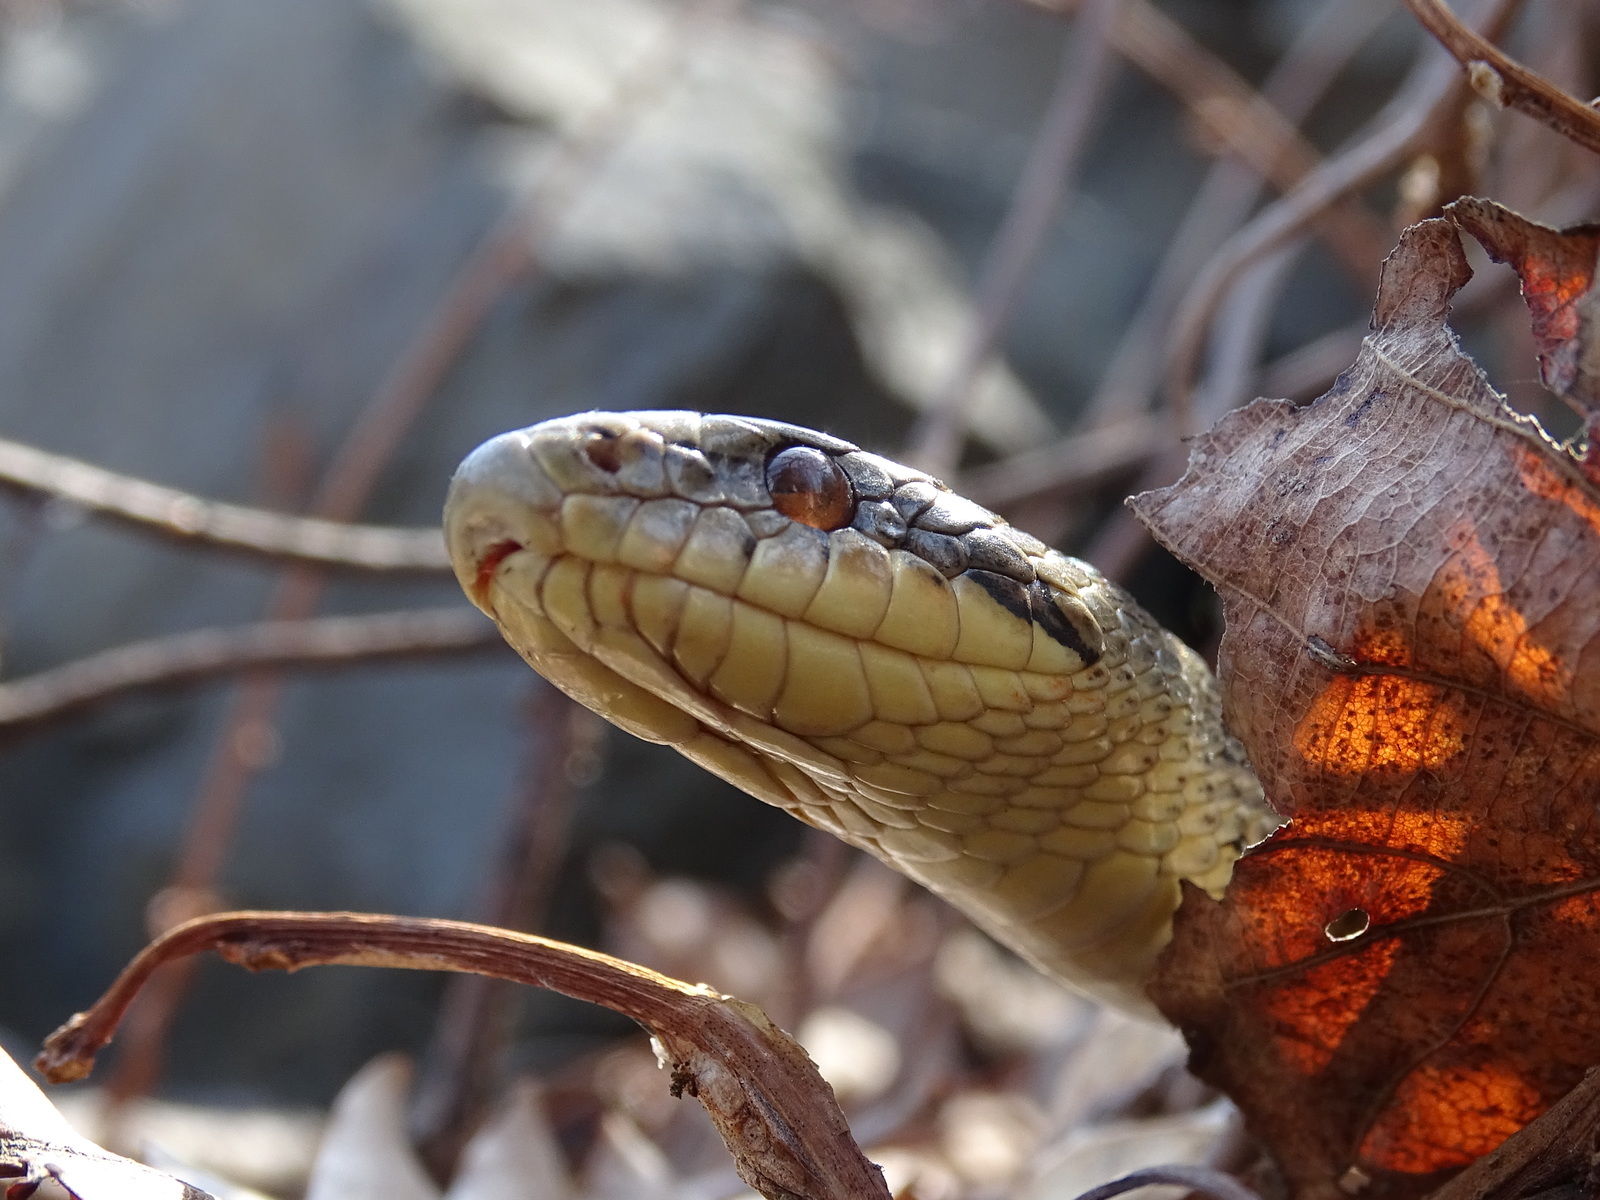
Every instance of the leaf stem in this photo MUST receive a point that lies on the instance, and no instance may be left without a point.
(777, 1115)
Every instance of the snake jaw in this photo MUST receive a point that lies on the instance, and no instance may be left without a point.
(488, 563)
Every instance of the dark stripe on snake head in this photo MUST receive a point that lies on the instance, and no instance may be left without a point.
(1034, 602)
(1065, 619)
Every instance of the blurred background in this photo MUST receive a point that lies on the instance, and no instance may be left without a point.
(303, 256)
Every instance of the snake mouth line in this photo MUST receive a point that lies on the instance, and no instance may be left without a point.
(488, 564)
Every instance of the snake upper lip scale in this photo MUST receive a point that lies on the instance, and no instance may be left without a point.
(844, 637)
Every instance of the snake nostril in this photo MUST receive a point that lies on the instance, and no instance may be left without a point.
(488, 564)
(601, 449)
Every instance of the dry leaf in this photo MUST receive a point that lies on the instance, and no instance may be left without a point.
(1089, 1156)
(1556, 1157)
(40, 1153)
(365, 1152)
(1403, 976)
(515, 1156)
(1556, 268)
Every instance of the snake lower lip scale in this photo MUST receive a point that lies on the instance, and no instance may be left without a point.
(844, 637)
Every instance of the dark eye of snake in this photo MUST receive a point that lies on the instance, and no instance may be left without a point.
(808, 486)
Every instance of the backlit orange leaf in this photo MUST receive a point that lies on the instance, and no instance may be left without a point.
(1556, 268)
(1409, 971)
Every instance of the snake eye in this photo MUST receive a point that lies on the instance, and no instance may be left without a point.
(808, 486)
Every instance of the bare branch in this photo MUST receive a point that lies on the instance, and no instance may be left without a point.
(1237, 118)
(775, 1112)
(1070, 465)
(1081, 80)
(1399, 130)
(1506, 83)
(186, 657)
(188, 517)
(1224, 200)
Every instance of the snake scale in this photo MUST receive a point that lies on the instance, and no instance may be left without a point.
(845, 638)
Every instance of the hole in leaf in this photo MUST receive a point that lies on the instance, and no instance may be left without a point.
(1348, 925)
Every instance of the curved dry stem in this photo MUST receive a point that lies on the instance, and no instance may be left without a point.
(777, 1115)
(1506, 83)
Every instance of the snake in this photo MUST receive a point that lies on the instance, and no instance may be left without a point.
(848, 639)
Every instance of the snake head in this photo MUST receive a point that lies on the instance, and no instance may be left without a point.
(846, 638)
(631, 488)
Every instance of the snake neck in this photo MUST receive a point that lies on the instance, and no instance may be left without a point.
(843, 637)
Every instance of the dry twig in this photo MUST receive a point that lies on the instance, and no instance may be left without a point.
(1258, 129)
(192, 518)
(1237, 118)
(1404, 124)
(775, 1112)
(1071, 465)
(1506, 83)
(207, 653)
(1046, 178)
(1231, 188)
